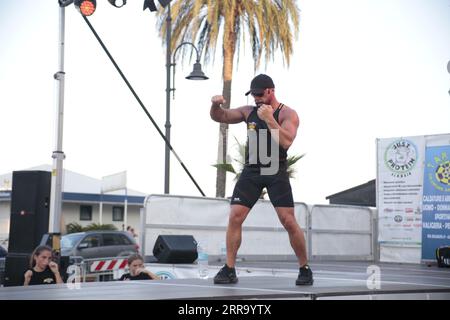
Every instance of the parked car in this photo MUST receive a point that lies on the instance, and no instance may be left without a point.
(98, 244)
(3, 252)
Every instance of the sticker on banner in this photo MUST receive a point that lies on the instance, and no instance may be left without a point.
(401, 157)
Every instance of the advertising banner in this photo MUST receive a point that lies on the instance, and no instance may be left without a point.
(400, 187)
(436, 201)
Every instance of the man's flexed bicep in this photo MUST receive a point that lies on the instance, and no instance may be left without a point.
(289, 127)
(222, 115)
(286, 131)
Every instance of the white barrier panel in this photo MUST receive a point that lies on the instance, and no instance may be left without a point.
(341, 232)
(203, 218)
(342, 218)
(403, 254)
(354, 245)
(206, 220)
(264, 214)
(190, 271)
(186, 211)
(331, 231)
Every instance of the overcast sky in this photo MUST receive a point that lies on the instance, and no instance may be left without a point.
(361, 70)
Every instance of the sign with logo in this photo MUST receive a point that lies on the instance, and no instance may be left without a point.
(436, 201)
(164, 275)
(401, 157)
(400, 186)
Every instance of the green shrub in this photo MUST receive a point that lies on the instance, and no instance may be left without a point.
(74, 227)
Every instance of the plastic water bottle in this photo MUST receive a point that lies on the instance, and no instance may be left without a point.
(223, 251)
(202, 261)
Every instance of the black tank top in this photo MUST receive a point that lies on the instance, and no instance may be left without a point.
(44, 277)
(257, 129)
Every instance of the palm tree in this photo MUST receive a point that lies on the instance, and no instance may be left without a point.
(267, 23)
(76, 227)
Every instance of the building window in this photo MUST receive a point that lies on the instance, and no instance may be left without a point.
(85, 213)
(117, 213)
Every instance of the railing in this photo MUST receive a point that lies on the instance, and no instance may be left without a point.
(334, 232)
(98, 269)
(339, 232)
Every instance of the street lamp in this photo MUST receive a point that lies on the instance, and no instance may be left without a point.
(196, 74)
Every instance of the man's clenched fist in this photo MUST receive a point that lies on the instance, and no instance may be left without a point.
(218, 100)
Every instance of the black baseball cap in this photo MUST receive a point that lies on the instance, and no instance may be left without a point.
(260, 83)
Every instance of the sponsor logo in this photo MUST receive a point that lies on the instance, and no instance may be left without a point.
(443, 173)
(164, 275)
(440, 178)
(48, 280)
(401, 157)
(398, 218)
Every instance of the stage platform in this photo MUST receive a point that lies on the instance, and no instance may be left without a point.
(263, 280)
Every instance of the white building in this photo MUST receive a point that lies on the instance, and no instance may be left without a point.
(82, 199)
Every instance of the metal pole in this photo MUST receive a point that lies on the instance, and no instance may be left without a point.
(58, 155)
(142, 106)
(142, 230)
(168, 89)
(125, 219)
(100, 213)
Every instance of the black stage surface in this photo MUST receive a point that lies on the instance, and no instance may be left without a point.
(263, 280)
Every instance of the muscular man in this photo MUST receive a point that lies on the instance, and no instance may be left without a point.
(271, 130)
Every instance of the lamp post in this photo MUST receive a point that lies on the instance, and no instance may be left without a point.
(196, 74)
(168, 89)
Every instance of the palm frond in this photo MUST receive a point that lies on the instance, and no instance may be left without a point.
(225, 166)
(74, 227)
(291, 160)
(271, 25)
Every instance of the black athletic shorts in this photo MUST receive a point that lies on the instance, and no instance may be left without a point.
(251, 183)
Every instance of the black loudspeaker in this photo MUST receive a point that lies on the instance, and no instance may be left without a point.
(30, 202)
(175, 249)
(16, 264)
